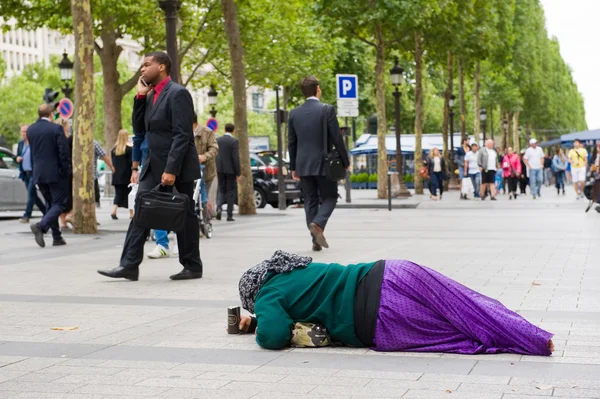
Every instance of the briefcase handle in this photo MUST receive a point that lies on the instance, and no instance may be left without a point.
(165, 189)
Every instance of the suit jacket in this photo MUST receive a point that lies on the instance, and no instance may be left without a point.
(50, 156)
(305, 138)
(168, 128)
(228, 160)
(20, 147)
(122, 164)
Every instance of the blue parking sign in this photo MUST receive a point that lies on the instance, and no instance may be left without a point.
(347, 87)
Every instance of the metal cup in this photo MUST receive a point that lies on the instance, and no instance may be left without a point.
(233, 320)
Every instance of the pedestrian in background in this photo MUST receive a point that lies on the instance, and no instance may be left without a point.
(523, 179)
(472, 169)
(313, 131)
(228, 170)
(121, 156)
(547, 170)
(99, 153)
(459, 160)
(578, 157)
(534, 159)
(559, 164)
(436, 167)
(26, 168)
(65, 217)
(511, 167)
(208, 150)
(487, 159)
(51, 171)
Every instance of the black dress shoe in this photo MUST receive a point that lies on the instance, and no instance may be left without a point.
(317, 248)
(113, 216)
(230, 219)
(59, 242)
(186, 274)
(121, 272)
(38, 234)
(218, 215)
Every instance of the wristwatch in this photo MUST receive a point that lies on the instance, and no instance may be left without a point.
(134, 169)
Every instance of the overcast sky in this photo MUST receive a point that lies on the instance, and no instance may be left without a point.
(575, 24)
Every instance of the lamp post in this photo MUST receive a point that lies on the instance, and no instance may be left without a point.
(212, 100)
(483, 119)
(66, 74)
(171, 7)
(451, 114)
(396, 74)
(505, 127)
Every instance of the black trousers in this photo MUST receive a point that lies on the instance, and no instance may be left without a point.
(56, 196)
(187, 240)
(97, 192)
(227, 189)
(320, 199)
(512, 184)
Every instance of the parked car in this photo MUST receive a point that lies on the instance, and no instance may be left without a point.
(265, 170)
(13, 195)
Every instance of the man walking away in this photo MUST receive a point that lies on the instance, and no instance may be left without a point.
(51, 170)
(307, 157)
(228, 170)
(487, 159)
(26, 168)
(163, 111)
(534, 159)
(579, 161)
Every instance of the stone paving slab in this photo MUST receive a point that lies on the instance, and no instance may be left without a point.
(164, 339)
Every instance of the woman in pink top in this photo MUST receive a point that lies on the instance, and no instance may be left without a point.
(511, 167)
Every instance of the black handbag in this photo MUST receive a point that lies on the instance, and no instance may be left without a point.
(161, 210)
(334, 168)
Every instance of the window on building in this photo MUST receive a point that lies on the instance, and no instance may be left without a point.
(258, 101)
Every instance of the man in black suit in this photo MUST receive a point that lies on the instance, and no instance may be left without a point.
(228, 170)
(163, 113)
(306, 138)
(51, 171)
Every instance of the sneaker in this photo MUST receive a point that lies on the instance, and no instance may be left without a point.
(159, 252)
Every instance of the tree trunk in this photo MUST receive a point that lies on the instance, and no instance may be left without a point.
(419, 112)
(238, 83)
(109, 56)
(504, 131)
(446, 128)
(284, 133)
(382, 164)
(516, 138)
(476, 103)
(84, 206)
(463, 104)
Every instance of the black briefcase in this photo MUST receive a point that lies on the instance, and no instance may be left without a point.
(161, 208)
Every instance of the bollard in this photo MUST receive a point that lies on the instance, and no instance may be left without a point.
(389, 191)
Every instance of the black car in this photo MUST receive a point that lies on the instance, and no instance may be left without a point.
(265, 168)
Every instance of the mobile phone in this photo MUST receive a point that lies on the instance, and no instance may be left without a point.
(144, 82)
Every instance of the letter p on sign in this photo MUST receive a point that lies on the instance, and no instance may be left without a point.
(347, 87)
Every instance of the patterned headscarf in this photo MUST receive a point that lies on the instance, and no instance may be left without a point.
(251, 281)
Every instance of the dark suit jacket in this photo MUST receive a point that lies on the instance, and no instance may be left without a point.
(122, 164)
(167, 126)
(305, 138)
(20, 147)
(49, 152)
(228, 160)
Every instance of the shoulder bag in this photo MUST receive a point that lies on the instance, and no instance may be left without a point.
(161, 210)
(334, 168)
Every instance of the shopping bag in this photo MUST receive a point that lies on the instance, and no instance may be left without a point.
(467, 186)
(131, 196)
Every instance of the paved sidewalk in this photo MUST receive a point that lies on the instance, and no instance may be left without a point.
(161, 339)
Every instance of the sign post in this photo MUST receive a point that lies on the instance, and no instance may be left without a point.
(347, 106)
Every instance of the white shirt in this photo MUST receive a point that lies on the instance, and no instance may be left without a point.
(312, 98)
(437, 164)
(534, 157)
(471, 158)
(492, 157)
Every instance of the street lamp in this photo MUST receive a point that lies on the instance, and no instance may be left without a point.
(451, 114)
(171, 7)
(66, 74)
(212, 100)
(483, 119)
(397, 75)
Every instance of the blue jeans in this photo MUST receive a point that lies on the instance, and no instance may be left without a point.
(560, 179)
(162, 238)
(536, 179)
(32, 197)
(436, 182)
(476, 180)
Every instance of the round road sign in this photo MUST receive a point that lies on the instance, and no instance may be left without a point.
(65, 108)
(212, 124)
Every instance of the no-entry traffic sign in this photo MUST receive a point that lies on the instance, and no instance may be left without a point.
(65, 108)
(212, 124)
